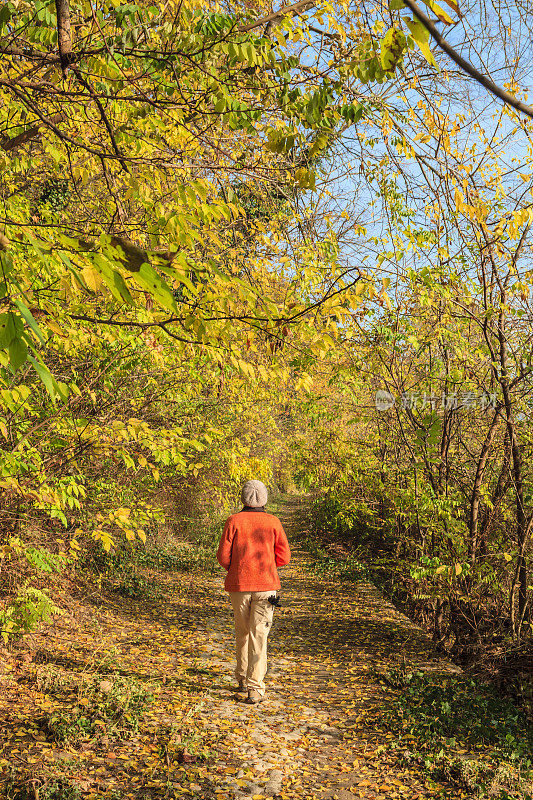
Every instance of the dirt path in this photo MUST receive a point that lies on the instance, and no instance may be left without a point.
(314, 731)
(313, 737)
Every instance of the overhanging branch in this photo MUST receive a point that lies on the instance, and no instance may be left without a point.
(485, 81)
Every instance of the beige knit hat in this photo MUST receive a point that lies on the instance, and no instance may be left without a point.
(254, 494)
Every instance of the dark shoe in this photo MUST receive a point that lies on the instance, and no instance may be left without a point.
(254, 697)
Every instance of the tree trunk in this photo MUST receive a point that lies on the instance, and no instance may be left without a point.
(474, 501)
(64, 41)
(522, 527)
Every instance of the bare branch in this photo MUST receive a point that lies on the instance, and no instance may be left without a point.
(29, 133)
(286, 11)
(103, 115)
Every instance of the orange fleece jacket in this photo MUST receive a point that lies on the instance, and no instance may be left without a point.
(252, 545)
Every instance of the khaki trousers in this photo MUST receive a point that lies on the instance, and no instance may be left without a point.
(253, 616)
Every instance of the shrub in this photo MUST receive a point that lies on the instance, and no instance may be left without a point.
(25, 612)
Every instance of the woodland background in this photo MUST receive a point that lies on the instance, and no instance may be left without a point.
(225, 230)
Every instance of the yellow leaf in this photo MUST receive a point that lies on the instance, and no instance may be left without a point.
(452, 4)
(105, 538)
(92, 278)
(507, 557)
(55, 328)
(439, 12)
(421, 36)
(458, 569)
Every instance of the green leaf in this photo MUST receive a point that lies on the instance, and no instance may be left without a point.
(6, 264)
(74, 271)
(421, 36)
(62, 389)
(45, 375)
(128, 460)
(39, 249)
(112, 279)
(186, 282)
(120, 285)
(148, 278)
(18, 353)
(251, 55)
(5, 16)
(7, 329)
(392, 46)
(53, 387)
(28, 316)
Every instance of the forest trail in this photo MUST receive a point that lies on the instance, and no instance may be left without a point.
(316, 735)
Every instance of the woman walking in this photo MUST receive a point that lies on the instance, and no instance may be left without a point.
(251, 548)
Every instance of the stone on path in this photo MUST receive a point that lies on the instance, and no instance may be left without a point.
(274, 784)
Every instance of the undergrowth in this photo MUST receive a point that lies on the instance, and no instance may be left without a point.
(341, 566)
(328, 558)
(182, 744)
(28, 786)
(462, 731)
(125, 569)
(53, 782)
(87, 705)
